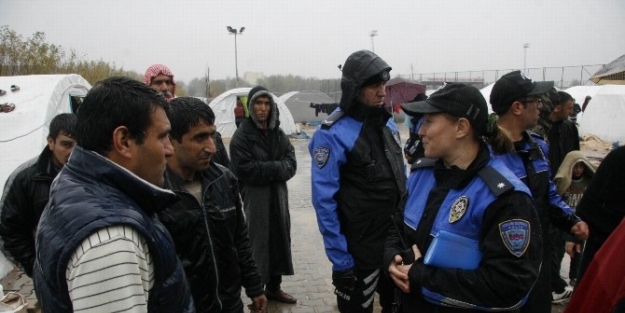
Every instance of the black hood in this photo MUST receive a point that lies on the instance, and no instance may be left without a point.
(273, 115)
(358, 68)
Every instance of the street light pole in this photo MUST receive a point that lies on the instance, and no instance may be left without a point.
(373, 33)
(525, 46)
(235, 32)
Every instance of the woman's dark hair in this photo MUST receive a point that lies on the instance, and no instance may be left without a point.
(115, 102)
(186, 112)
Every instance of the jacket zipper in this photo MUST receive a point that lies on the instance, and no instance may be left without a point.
(210, 240)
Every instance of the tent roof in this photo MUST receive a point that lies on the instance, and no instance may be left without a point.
(611, 73)
(23, 131)
(298, 102)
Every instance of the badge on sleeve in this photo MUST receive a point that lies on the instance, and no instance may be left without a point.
(321, 155)
(515, 235)
(458, 208)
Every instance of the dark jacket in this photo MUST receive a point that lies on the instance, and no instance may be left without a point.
(26, 197)
(221, 157)
(92, 193)
(264, 161)
(212, 242)
(563, 138)
(498, 214)
(358, 174)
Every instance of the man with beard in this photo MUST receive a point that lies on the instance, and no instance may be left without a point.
(357, 182)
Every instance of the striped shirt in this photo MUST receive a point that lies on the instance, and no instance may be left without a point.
(111, 271)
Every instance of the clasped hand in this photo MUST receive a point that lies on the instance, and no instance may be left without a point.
(399, 271)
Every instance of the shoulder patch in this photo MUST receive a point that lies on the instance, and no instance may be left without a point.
(515, 235)
(421, 163)
(321, 155)
(335, 116)
(496, 182)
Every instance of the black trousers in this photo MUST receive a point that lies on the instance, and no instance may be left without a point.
(361, 298)
(557, 253)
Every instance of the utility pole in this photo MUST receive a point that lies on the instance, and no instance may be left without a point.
(373, 33)
(235, 32)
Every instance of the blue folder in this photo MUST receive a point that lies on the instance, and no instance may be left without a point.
(449, 250)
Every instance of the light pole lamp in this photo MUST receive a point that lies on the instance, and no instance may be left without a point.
(373, 33)
(525, 46)
(235, 32)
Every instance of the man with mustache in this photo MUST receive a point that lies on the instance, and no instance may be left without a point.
(161, 79)
(207, 224)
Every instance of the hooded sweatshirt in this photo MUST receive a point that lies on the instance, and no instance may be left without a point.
(564, 176)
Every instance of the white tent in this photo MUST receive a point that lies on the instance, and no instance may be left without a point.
(486, 93)
(579, 93)
(605, 114)
(224, 105)
(23, 131)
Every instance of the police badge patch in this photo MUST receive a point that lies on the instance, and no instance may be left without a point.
(321, 155)
(458, 208)
(515, 235)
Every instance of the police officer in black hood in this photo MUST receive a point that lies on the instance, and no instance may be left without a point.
(358, 179)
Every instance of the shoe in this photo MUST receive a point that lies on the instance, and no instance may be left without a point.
(562, 297)
(572, 282)
(15, 88)
(280, 296)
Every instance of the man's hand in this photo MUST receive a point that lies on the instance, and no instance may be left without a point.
(259, 304)
(572, 248)
(344, 280)
(580, 230)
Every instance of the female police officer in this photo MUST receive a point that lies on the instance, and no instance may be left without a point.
(468, 221)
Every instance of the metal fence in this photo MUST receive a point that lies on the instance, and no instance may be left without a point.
(564, 76)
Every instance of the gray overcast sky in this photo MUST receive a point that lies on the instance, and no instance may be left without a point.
(311, 37)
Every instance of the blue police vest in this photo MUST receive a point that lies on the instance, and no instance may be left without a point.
(462, 211)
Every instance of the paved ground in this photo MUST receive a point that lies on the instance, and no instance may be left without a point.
(311, 284)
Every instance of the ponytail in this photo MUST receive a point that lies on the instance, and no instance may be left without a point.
(499, 138)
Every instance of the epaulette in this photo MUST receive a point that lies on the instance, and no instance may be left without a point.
(421, 163)
(496, 182)
(335, 116)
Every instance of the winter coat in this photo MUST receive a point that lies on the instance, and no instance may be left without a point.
(93, 193)
(264, 160)
(212, 241)
(563, 138)
(25, 200)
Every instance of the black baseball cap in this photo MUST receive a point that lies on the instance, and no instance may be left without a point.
(514, 86)
(456, 99)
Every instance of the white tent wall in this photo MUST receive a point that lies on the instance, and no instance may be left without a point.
(40, 98)
(23, 131)
(224, 105)
(579, 93)
(605, 114)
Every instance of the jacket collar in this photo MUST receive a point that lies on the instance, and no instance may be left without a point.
(151, 198)
(174, 182)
